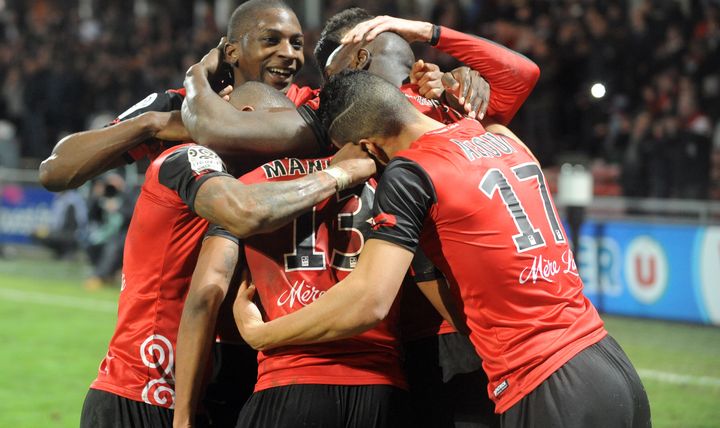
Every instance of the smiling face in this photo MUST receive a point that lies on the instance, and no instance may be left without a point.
(270, 51)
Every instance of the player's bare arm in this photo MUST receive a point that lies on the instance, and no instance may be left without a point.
(219, 126)
(84, 155)
(511, 75)
(208, 288)
(247, 210)
(438, 294)
(356, 304)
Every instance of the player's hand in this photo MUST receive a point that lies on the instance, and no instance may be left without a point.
(412, 31)
(356, 161)
(247, 315)
(212, 60)
(168, 126)
(428, 77)
(469, 90)
(225, 92)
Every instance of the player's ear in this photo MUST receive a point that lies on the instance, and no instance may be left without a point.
(361, 60)
(232, 54)
(375, 151)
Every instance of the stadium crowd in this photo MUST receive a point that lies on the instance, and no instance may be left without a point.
(55, 60)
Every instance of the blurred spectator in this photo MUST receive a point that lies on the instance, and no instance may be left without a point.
(9, 149)
(655, 59)
(110, 209)
(69, 217)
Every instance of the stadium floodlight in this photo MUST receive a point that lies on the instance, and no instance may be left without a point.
(597, 90)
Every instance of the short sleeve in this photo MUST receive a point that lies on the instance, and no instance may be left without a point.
(217, 230)
(422, 269)
(157, 101)
(404, 196)
(186, 169)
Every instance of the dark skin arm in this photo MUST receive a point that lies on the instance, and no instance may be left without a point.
(208, 288)
(438, 294)
(84, 155)
(219, 126)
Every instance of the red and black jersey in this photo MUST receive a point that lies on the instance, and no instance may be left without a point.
(161, 250)
(298, 263)
(303, 95)
(478, 204)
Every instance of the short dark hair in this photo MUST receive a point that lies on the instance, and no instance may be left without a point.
(244, 16)
(335, 28)
(260, 96)
(356, 104)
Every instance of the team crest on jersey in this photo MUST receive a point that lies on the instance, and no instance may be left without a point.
(203, 159)
(381, 220)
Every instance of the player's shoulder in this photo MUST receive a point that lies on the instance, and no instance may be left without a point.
(189, 156)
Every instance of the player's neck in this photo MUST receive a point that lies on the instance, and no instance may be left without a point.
(410, 133)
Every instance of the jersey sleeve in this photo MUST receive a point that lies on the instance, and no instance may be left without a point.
(217, 230)
(157, 101)
(511, 75)
(404, 196)
(186, 169)
(310, 117)
(422, 269)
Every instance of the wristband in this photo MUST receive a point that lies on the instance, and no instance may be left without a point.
(435, 35)
(341, 176)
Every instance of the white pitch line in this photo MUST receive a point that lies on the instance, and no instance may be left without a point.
(111, 307)
(679, 379)
(58, 300)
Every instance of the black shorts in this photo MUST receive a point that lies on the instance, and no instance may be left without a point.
(326, 406)
(599, 387)
(231, 384)
(448, 387)
(103, 409)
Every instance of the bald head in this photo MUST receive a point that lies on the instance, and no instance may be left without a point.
(259, 96)
(388, 56)
(245, 16)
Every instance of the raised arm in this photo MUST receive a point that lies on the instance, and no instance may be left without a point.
(219, 126)
(208, 288)
(354, 305)
(511, 75)
(84, 155)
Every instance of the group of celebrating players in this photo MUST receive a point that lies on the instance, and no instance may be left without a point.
(465, 307)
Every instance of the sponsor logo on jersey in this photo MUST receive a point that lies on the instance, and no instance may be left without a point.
(203, 159)
(382, 220)
(301, 293)
(544, 269)
(158, 355)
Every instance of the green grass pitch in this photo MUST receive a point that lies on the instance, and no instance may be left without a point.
(53, 335)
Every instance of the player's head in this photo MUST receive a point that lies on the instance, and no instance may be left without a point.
(252, 96)
(361, 108)
(334, 30)
(265, 43)
(388, 55)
